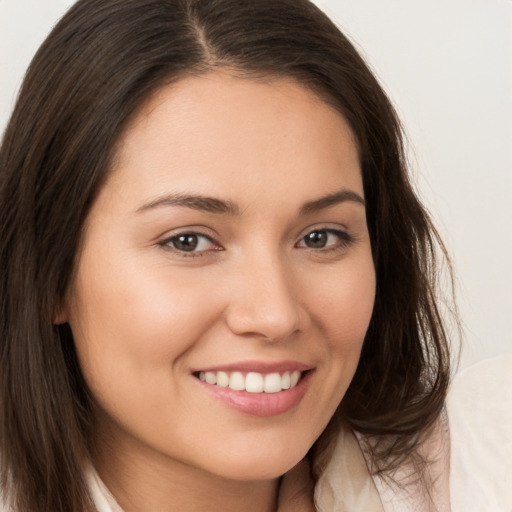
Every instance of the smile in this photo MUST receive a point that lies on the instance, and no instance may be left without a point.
(252, 382)
(257, 388)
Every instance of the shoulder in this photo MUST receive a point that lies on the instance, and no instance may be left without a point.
(480, 411)
(348, 485)
(429, 491)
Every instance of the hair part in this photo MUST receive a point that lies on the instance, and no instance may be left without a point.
(95, 70)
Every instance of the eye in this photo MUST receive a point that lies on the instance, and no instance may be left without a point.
(325, 239)
(190, 243)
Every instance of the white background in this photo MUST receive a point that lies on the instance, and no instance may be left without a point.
(447, 65)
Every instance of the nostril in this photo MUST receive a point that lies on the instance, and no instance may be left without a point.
(271, 326)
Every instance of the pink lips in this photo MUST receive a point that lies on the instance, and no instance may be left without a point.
(261, 404)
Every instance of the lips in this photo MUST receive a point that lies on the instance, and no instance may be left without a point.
(258, 389)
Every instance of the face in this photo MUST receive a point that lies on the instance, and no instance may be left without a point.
(226, 281)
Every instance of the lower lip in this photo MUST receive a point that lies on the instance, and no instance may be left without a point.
(260, 404)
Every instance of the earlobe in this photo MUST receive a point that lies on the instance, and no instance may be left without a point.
(60, 316)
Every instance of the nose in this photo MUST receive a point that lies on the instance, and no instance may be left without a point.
(264, 301)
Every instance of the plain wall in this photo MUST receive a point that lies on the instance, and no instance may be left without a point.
(447, 66)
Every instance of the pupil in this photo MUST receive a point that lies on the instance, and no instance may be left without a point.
(316, 239)
(185, 242)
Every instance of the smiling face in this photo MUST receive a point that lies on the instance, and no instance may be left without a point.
(227, 249)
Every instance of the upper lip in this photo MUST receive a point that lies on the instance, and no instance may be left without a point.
(257, 366)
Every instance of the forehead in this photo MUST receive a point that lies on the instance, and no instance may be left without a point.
(220, 129)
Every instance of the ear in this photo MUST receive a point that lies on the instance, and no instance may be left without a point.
(61, 315)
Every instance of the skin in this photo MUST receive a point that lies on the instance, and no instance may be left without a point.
(145, 315)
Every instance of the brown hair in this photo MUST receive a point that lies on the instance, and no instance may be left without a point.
(95, 69)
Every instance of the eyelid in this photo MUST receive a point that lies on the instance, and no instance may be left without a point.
(346, 238)
(333, 228)
(164, 241)
(183, 230)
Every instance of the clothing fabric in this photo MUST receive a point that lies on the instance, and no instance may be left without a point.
(102, 497)
(480, 414)
(347, 486)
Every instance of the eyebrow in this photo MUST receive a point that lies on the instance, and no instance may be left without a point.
(221, 206)
(194, 202)
(330, 200)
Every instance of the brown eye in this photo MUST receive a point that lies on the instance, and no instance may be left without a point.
(316, 239)
(192, 243)
(325, 239)
(187, 242)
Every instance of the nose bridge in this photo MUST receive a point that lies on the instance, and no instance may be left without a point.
(264, 303)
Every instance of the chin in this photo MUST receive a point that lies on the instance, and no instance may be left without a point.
(264, 465)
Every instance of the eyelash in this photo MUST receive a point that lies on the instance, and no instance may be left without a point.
(344, 241)
(167, 244)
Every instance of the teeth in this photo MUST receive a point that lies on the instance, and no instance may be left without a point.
(222, 379)
(253, 382)
(272, 383)
(211, 377)
(237, 381)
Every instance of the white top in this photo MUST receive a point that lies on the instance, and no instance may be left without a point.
(480, 414)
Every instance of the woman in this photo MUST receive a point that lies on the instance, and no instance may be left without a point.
(216, 267)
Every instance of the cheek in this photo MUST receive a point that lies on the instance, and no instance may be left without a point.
(344, 305)
(344, 308)
(132, 332)
(124, 319)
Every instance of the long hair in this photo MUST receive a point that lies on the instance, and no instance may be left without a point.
(97, 67)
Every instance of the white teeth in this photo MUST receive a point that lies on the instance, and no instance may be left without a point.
(253, 382)
(211, 377)
(272, 383)
(294, 378)
(222, 379)
(237, 381)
